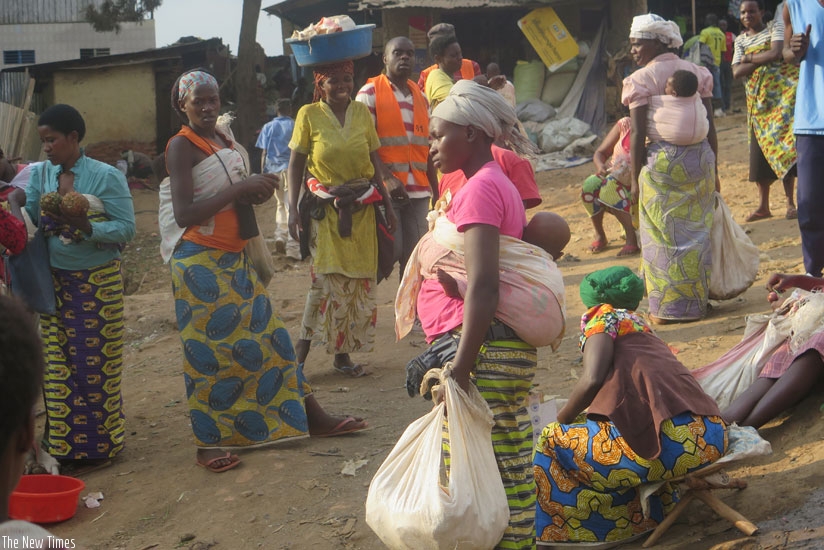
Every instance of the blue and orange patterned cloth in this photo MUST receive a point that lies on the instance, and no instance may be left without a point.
(588, 477)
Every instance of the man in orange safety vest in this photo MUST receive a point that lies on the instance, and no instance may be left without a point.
(401, 116)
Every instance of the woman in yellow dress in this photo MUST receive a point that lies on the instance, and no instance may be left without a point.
(335, 141)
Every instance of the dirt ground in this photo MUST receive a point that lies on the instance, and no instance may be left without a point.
(294, 496)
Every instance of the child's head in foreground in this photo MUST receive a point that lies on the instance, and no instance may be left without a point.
(21, 374)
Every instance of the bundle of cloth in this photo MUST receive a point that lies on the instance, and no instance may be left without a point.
(531, 298)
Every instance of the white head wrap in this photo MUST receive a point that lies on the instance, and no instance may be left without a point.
(655, 27)
(470, 104)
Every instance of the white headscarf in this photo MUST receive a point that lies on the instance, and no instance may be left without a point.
(654, 27)
(471, 104)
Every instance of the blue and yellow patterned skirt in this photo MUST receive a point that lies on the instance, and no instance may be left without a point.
(588, 477)
(242, 383)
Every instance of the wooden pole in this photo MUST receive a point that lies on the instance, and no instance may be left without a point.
(741, 523)
(694, 28)
(669, 520)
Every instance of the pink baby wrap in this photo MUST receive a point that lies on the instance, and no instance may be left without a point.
(677, 120)
(531, 289)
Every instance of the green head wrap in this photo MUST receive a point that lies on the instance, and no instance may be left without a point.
(617, 286)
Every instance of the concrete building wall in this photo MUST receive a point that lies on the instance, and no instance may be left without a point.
(117, 103)
(63, 41)
(45, 11)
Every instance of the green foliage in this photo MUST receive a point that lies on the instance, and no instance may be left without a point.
(112, 13)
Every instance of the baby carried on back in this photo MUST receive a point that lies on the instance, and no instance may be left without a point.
(678, 117)
(531, 291)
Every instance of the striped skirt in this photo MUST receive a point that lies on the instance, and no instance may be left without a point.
(83, 346)
(503, 375)
(588, 477)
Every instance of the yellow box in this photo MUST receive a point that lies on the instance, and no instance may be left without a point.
(550, 38)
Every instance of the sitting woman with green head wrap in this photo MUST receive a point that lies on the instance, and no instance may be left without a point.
(636, 415)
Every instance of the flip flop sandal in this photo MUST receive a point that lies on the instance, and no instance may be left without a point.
(234, 461)
(340, 428)
(352, 371)
(598, 246)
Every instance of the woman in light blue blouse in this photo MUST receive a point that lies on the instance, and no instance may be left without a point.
(83, 340)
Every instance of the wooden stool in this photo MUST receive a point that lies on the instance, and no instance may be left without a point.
(699, 485)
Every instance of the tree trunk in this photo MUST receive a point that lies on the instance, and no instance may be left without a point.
(245, 83)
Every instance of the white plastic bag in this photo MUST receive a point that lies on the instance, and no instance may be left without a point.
(560, 132)
(726, 378)
(734, 256)
(409, 508)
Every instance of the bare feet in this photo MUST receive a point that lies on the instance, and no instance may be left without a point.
(629, 250)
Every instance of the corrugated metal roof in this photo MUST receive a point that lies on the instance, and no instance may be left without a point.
(20, 12)
(13, 87)
(447, 4)
(155, 54)
(288, 8)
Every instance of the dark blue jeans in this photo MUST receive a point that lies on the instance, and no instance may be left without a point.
(726, 85)
(810, 195)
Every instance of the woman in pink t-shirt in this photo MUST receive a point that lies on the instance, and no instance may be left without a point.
(516, 168)
(489, 353)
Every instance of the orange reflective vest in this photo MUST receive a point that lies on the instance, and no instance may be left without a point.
(398, 152)
(467, 72)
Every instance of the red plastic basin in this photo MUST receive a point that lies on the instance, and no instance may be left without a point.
(45, 498)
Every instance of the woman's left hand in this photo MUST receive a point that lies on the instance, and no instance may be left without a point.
(294, 223)
(78, 221)
(461, 376)
(259, 188)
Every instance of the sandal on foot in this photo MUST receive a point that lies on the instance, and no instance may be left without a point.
(598, 245)
(348, 425)
(629, 250)
(792, 213)
(354, 371)
(755, 216)
(210, 464)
